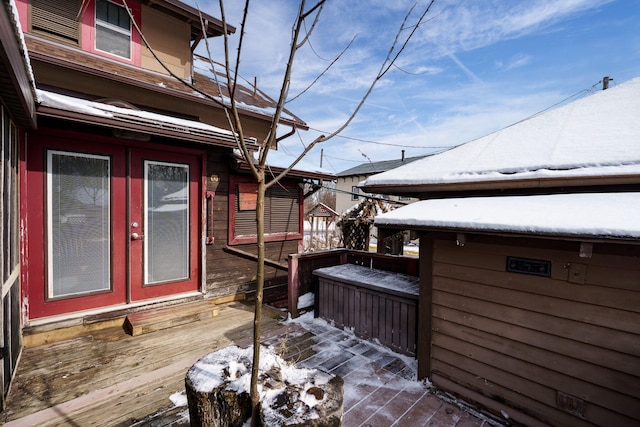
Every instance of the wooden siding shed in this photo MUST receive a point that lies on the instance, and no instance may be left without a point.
(560, 350)
(536, 320)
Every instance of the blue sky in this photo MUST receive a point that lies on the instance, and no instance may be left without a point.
(474, 67)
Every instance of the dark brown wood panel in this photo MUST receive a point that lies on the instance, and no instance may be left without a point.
(572, 374)
(598, 295)
(539, 396)
(597, 336)
(566, 309)
(539, 342)
(372, 314)
(445, 318)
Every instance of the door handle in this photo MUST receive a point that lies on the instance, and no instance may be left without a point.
(136, 236)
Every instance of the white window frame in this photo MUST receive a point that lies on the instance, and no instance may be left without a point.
(109, 26)
(147, 232)
(49, 216)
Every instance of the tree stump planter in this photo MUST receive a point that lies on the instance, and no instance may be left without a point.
(218, 391)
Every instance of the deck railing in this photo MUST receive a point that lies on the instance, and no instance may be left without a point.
(301, 267)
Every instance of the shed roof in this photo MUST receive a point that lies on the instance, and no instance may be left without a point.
(593, 137)
(583, 215)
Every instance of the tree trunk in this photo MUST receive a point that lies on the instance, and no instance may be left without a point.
(217, 408)
(255, 370)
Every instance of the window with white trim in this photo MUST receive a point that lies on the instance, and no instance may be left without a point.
(113, 29)
(355, 193)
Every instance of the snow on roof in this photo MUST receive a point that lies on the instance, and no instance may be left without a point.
(386, 281)
(594, 136)
(249, 98)
(99, 109)
(595, 215)
(23, 47)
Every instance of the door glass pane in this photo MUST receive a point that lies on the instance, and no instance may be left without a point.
(78, 223)
(166, 222)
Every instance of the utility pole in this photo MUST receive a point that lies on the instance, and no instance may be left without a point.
(605, 82)
(321, 154)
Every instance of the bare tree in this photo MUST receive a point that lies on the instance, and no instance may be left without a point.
(258, 163)
(258, 167)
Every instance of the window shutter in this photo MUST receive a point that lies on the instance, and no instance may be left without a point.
(284, 212)
(56, 17)
(281, 211)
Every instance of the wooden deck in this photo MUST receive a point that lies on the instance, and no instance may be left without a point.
(110, 378)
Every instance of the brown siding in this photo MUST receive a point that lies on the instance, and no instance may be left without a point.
(228, 273)
(169, 38)
(532, 342)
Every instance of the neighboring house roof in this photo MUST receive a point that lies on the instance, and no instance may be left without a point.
(592, 140)
(321, 211)
(377, 167)
(583, 215)
(17, 86)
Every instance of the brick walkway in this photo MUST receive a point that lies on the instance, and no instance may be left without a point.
(109, 378)
(380, 386)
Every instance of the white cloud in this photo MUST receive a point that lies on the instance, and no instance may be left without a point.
(445, 89)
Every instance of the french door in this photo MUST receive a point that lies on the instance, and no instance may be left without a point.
(119, 224)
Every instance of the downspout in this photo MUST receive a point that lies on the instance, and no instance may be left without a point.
(287, 135)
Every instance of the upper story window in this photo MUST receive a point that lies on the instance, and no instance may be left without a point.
(355, 192)
(113, 29)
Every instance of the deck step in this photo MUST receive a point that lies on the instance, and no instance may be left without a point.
(157, 319)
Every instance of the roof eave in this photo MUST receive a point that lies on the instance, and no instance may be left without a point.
(513, 234)
(500, 185)
(192, 16)
(193, 135)
(293, 173)
(38, 56)
(22, 93)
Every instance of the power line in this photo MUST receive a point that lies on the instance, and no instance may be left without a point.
(368, 141)
(344, 160)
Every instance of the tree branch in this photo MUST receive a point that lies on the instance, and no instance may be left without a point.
(167, 69)
(325, 70)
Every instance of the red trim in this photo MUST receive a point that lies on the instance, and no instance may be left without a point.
(23, 14)
(138, 291)
(32, 193)
(33, 213)
(24, 235)
(88, 32)
(62, 133)
(234, 239)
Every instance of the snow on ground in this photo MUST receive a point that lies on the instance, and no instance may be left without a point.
(306, 300)
(329, 346)
(232, 366)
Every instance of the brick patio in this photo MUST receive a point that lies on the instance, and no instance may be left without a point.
(109, 378)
